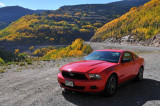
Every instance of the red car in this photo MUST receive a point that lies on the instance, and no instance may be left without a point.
(102, 70)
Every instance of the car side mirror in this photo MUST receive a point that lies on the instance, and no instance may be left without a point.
(125, 60)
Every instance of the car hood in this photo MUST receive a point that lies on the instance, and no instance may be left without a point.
(90, 66)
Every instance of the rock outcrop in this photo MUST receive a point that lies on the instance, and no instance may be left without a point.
(130, 39)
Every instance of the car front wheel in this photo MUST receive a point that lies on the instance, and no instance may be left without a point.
(111, 86)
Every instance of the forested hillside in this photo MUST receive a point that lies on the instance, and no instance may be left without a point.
(64, 25)
(77, 48)
(12, 13)
(142, 22)
(47, 28)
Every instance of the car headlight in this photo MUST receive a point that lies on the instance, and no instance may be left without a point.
(94, 76)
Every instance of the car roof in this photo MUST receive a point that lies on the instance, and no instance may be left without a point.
(114, 50)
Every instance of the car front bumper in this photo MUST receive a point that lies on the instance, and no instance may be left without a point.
(83, 85)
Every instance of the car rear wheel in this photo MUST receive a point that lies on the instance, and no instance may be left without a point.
(111, 85)
(140, 74)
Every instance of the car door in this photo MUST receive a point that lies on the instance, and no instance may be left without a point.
(126, 68)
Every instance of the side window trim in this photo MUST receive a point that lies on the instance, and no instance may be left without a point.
(135, 56)
(130, 54)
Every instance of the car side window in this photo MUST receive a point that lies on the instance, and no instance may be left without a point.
(127, 55)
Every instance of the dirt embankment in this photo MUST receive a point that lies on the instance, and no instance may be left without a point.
(37, 84)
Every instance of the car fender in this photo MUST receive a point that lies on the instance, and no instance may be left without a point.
(141, 63)
(106, 73)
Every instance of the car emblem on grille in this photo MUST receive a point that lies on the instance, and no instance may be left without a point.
(71, 74)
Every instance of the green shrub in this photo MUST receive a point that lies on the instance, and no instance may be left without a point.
(21, 64)
(45, 59)
(1, 61)
(2, 71)
(22, 56)
(29, 62)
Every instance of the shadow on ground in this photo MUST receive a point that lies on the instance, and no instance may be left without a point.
(130, 94)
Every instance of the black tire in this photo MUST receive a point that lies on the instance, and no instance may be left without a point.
(111, 86)
(140, 74)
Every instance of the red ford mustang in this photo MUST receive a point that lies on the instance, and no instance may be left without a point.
(102, 70)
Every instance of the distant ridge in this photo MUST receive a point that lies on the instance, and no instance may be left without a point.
(12, 13)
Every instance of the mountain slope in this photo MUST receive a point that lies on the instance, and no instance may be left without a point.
(12, 13)
(142, 22)
(64, 25)
(100, 12)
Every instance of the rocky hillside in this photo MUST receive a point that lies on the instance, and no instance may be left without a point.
(129, 39)
(139, 24)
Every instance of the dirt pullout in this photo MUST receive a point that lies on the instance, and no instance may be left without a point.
(37, 85)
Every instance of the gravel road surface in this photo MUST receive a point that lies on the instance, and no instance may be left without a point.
(37, 85)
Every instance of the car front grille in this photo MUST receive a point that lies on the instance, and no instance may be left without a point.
(73, 75)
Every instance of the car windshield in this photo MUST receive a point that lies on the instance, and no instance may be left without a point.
(108, 56)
